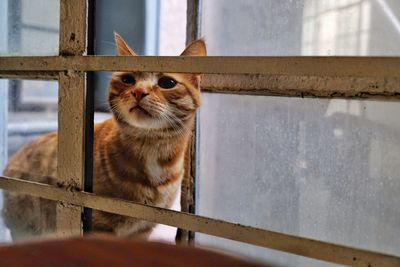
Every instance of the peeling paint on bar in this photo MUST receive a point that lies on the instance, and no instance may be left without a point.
(274, 240)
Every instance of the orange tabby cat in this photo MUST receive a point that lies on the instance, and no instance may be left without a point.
(138, 154)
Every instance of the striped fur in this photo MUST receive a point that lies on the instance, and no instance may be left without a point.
(138, 154)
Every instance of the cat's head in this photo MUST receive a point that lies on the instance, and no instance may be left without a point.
(155, 100)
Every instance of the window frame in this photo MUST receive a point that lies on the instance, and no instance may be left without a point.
(72, 65)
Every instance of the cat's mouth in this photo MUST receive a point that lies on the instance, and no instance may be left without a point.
(140, 109)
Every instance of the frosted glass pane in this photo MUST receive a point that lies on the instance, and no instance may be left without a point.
(301, 27)
(325, 169)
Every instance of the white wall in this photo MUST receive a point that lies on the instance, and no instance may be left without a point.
(172, 27)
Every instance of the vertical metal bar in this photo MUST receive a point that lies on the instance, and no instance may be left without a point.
(193, 20)
(73, 27)
(187, 188)
(71, 114)
(88, 181)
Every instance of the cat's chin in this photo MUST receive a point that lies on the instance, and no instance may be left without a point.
(139, 111)
(142, 119)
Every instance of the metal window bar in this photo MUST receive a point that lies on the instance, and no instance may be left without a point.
(274, 85)
(279, 241)
(302, 75)
(188, 200)
(89, 127)
(376, 67)
(71, 114)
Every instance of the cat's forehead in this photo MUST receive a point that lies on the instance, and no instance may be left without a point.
(152, 76)
(146, 75)
(138, 75)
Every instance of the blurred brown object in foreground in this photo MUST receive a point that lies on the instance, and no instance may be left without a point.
(111, 252)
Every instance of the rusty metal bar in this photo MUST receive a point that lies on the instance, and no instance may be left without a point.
(382, 67)
(274, 240)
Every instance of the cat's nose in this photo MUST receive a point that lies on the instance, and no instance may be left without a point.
(139, 93)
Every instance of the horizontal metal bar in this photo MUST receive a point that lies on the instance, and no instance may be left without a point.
(275, 85)
(29, 75)
(279, 241)
(303, 86)
(300, 66)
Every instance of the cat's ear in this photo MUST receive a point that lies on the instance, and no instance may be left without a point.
(196, 48)
(123, 48)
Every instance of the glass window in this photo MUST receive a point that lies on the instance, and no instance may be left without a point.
(26, 114)
(30, 27)
(301, 27)
(27, 108)
(325, 169)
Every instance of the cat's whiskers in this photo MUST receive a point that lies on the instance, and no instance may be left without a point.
(183, 116)
(115, 110)
(161, 114)
(162, 117)
(175, 118)
(179, 130)
(173, 121)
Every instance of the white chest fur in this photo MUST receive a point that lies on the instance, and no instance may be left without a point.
(155, 171)
(159, 174)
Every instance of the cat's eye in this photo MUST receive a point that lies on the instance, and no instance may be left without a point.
(128, 79)
(166, 82)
